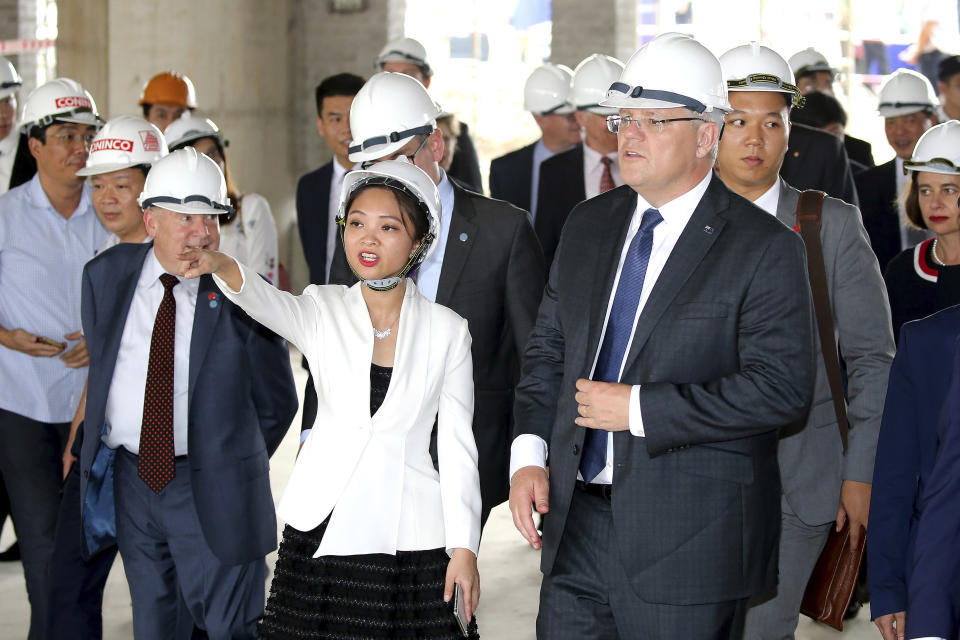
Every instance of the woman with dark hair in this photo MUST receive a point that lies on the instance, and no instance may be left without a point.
(925, 279)
(378, 541)
(249, 234)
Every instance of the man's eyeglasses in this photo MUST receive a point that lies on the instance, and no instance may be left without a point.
(70, 138)
(411, 157)
(617, 123)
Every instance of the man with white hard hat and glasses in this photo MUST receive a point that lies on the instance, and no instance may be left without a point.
(406, 55)
(825, 483)
(908, 105)
(187, 397)
(48, 230)
(657, 376)
(515, 176)
(488, 266)
(590, 168)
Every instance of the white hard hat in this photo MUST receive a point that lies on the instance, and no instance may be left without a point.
(186, 181)
(387, 112)
(547, 90)
(752, 67)
(405, 177)
(672, 70)
(124, 142)
(591, 80)
(809, 61)
(60, 100)
(404, 50)
(190, 127)
(10, 80)
(906, 91)
(937, 150)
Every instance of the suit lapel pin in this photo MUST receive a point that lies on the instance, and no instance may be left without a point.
(463, 237)
(214, 300)
(708, 230)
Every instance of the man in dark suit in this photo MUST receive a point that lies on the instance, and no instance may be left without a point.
(487, 267)
(657, 376)
(590, 168)
(408, 56)
(176, 468)
(908, 106)
(318, 194)
(318, 191)
(823, 484)
(514, 177)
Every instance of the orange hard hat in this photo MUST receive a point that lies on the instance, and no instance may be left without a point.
(169, 87)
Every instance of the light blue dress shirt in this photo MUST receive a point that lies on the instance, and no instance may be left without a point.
(540, 153)
(41, 264)
(428, 274)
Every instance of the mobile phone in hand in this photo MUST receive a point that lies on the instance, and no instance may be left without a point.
(459, 612)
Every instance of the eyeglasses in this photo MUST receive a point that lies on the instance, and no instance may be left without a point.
(411, 157)
(70, 138)
(617, 123)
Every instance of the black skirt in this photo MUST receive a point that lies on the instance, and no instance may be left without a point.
(358, 597)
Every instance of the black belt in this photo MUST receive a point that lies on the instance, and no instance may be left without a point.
(604, 491)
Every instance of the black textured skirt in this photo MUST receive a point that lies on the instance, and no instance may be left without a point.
(358, 597)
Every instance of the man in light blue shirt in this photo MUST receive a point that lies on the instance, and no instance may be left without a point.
(48, 231)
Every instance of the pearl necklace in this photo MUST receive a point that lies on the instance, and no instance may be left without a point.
(936, 258)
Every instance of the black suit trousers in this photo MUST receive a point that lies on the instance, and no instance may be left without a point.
(588, 594)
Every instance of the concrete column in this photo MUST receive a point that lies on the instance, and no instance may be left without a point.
(582, 28)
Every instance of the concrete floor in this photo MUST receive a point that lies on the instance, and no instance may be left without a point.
(508, 572)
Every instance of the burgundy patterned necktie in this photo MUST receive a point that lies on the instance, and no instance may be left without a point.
(606, 179)
(155, 466)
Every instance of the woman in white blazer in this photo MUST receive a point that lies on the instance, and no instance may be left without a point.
(376, 537)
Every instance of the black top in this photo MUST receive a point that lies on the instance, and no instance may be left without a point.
(918, 286)
(379, 383)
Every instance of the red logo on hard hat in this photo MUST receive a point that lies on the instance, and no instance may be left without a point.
(73, 101)
(150, 141)
(111, 144)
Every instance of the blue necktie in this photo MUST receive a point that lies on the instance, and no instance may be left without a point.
(617, 336)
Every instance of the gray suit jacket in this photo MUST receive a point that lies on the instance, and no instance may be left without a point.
(812, 463)
(724, 352)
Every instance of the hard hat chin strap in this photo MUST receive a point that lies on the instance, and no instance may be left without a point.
(386, 284)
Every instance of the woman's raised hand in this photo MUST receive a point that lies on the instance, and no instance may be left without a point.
(197, 262)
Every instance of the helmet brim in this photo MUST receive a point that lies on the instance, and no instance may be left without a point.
(893, 112)
(194, 208)
(378, 151)
(100, 169)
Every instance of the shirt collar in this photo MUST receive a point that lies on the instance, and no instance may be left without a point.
(446, 195)
(38, 198)
(592, 158)
(679, 210)
(770, 199)
(338, 171)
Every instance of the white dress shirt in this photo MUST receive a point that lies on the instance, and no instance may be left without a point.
(333, 207)
(41, 265)
(373, 475)
(593, 170)
(770, 199)
(428, 274)
(531, 450)
(124, 413)
(252, 237)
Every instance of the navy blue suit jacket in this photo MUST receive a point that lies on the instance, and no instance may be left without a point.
(313, 209)
(933, 602)
(906, 450)
(241, 399)
(510, 177)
